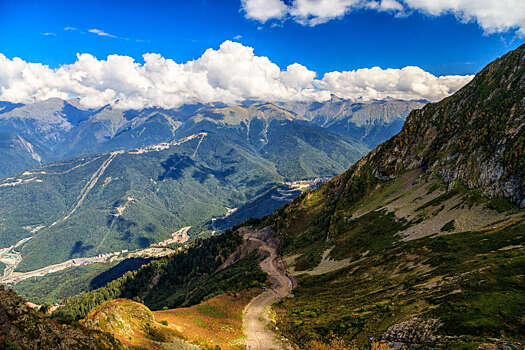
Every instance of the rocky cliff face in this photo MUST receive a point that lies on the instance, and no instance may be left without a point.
(475, 136)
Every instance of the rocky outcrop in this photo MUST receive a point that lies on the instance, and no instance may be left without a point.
(417, 333)
(414, 333)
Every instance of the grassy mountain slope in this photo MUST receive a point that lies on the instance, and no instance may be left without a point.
(421, 242)
(379, 268)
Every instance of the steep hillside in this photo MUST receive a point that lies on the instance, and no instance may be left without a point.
(474, 138)
(369, 122)
(41, 130)
(55, 129)
(17, 154)
(298, 149)
(23, 328)
(53, 287)
(421, 242)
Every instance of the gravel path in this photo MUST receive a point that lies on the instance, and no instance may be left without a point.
(255, 320)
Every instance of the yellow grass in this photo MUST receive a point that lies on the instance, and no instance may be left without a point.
(217, 321)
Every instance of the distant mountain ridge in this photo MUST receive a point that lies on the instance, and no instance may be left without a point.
(369, 122)
(56, 129)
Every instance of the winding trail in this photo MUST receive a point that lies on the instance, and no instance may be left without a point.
(255, 316)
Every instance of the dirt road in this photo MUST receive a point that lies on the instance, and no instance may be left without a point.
(256, 318)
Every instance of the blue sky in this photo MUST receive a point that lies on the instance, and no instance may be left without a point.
(182, 30)
(233, 50)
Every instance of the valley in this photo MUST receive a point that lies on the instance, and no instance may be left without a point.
(10, 277)
(90, 195)
(12, 258)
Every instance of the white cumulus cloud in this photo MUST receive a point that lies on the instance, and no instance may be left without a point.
(313, 12)
(493, 16)
(263, 10)
(407, 83)
(232, 73)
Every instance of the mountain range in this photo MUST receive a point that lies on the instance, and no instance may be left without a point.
(371, 122)
(125, 179)
(55, 129)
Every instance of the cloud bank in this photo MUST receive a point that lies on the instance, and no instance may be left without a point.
(493, 16)
(230, 74)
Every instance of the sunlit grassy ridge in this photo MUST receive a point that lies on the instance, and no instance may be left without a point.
(134, 325)
(216, 322)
